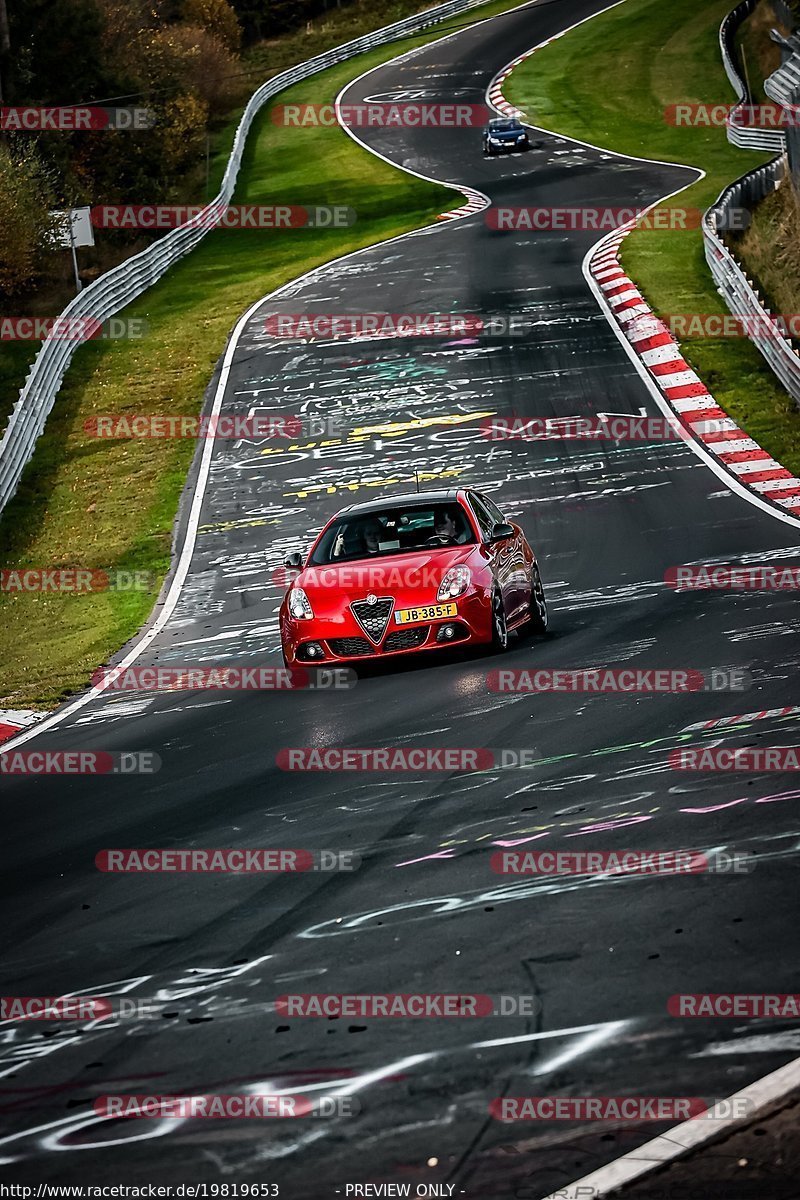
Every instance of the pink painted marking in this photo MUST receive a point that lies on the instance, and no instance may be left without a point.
(606, 825)
(714, 807)
(518, 841)
(427, 857)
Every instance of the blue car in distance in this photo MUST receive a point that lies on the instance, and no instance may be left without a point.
(504, 133)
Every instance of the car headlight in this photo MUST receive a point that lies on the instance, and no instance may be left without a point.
(454, 583)
(300, 605)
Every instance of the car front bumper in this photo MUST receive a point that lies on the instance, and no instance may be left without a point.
(343, 640)
(506, 146)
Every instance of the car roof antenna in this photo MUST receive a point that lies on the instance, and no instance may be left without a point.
(416, 476)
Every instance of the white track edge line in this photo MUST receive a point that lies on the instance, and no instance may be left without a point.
(680, 1139)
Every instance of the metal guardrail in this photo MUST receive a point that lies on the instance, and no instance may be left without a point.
(783, 86)
(115, 289)
(738, 132)
(784, 14)
(739, 292)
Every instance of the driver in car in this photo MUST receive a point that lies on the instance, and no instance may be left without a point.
(371, 532)
(445, 527)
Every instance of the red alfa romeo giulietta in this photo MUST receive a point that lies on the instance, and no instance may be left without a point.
(411, 573)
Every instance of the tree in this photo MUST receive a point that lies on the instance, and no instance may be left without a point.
(56, 52)
(182, 129)
(27, 227)
(205, 67)
(5, 43)
(217, 17)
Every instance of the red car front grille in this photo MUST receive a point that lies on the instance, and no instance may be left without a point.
(400, 639)
(373, 618)
(406, 639)
(350, 647)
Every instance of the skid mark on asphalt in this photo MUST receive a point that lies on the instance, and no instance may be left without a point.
(765, 1043)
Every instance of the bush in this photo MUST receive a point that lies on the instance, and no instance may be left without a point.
(217, 17)
(207, 68)
(27, 228)
(183, 132)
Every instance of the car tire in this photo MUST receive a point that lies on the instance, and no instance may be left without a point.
(538, 620)
(499, 624)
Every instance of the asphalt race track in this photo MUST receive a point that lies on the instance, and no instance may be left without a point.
(424, 912)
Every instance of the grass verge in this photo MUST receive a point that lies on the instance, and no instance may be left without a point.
(609, 82)
(771, 249)
(111, 505)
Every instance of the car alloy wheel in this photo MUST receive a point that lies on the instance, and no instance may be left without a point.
(538, 618)
(499, 623)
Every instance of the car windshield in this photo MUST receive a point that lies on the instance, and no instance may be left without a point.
(393, 531)
(506, 126)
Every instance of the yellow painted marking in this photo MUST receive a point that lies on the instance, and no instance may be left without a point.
(397, 427)
(333, 488)
(394, 429)
(244, 524)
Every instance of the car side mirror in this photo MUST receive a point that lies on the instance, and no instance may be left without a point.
(294, 561)
(500, 532)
